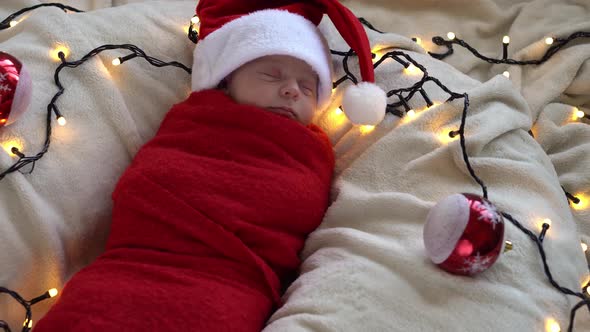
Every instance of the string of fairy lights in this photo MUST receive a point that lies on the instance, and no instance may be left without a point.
(399, 108)
(418, 86)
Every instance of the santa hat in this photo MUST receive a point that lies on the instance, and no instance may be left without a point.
(234, 32)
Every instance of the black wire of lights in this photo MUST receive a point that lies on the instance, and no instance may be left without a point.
(555, 44)
(418, 88)
(461, 132)
(53, 108)
(11, 21)
(28, 323)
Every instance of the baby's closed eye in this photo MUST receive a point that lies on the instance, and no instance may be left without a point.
(307, 88)
(269, 75)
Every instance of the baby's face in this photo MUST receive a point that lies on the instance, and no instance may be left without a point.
(280, 84)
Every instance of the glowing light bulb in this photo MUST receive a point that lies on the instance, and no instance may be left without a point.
(9, 144)
(195, 20)
(418, 40)
(451, 35)
(411, 113)
(59, 48)
(585, 283)
(28, 323)
(445, 136)
(434, 104)
(551, 325)
(13, 23)
(375, 56)
(16, 152)
(338, 111)
(366, 129)
(412, 70)
(52, 292)
(548, 40)
(507, 74)
(579, 114)
(116, 61)
(61, 121)
(506, 40)
(547, 221)
(583, 201)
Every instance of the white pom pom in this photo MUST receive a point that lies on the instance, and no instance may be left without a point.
(364, 103)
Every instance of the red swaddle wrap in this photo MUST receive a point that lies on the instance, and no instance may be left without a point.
(208, 221)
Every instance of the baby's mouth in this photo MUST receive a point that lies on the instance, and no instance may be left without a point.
(284, 111)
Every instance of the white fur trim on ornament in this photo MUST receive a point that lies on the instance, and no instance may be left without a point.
(444, 226)
(364, 103)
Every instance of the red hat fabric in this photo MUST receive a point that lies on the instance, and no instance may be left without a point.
(234, 32)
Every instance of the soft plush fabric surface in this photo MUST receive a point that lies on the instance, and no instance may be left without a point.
(204, 234)
(55, 220)
(365, 268)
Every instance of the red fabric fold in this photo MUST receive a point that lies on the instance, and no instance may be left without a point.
(208, 222)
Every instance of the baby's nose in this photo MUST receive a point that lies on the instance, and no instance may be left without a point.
(290, 89)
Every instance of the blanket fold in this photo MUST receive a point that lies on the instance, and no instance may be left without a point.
(208, 222)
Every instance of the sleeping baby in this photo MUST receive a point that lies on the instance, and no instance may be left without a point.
(209, 218)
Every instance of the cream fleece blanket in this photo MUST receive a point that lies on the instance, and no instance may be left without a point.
(366, 267)
(55, 220)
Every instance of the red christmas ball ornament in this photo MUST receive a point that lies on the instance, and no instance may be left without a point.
(464, 234)
(15, 89)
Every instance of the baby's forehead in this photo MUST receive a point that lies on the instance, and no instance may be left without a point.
(286, 62)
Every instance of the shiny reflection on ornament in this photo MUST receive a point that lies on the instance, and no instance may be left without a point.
(464, 248)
